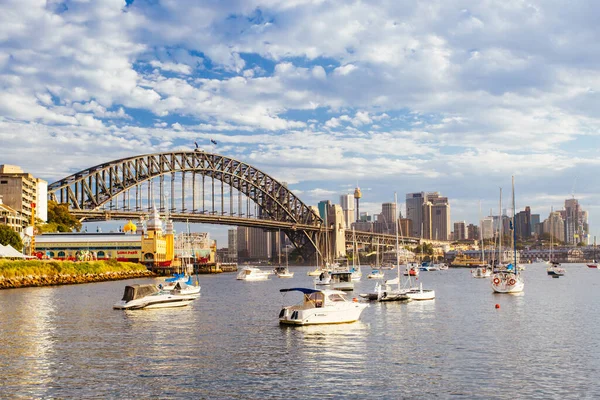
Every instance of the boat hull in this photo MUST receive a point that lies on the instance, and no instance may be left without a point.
(505, 282)
(322, 316)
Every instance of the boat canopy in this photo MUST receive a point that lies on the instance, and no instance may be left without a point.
(175, 278)
(303, 290)
(134, 292)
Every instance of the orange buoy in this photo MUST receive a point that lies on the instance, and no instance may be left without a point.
(355, 300)
(497, 305)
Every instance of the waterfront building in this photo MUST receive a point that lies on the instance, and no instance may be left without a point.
(460, 230)
(20, 190)
(149, 246)
(11, 218)
(404, 226)
(347, 203)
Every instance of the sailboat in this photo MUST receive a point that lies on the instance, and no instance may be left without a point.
(376, 273)
(554, 270)
(594, 263)
(507, 279)
(280, 271)
(355, 270)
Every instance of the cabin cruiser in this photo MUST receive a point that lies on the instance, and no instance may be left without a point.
(341, 280)
(375, 274)
(183, 288)
(283, 272)
(389, 290)
(555, 269)
(253, 274)
(321, 307)
(150, 296)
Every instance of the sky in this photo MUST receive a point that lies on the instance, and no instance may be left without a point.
(392, 96)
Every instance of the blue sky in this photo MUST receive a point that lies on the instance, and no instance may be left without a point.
(398, 96)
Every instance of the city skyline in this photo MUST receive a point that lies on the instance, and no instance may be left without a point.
(327, 97)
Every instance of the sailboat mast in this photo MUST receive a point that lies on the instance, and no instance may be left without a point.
(500, 223)
(514, 227)
(397, 250)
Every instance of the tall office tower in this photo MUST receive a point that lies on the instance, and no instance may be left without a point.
(414, 212)
(473, 232)
(324, 208)
(535, 221)
(365, 217)
(576, 229)
(19, 190)
(404, 227)
(232, 244)
(389, 216)
(460, 230)
(439, 224)
(487, 227)
(555, 225)
(259, 244)
(347, 203)
(523, 223)
(243, 249)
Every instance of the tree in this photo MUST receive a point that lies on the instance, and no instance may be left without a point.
(60, 219)
(10, 237)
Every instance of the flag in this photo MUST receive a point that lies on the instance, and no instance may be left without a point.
(213, 142)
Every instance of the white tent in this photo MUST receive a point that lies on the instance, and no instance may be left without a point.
(9, 252)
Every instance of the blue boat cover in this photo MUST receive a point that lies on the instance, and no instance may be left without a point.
(303, 290)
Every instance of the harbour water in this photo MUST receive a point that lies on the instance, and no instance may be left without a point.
(68, 342)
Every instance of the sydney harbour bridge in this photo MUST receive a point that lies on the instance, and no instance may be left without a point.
(200, 187)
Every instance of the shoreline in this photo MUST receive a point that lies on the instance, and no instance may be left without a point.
(70, 279)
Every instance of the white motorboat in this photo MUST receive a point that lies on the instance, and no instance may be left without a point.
(341, 280)
(149, 296)
(555, 269)
(283, 272)
(321, 307)
(389, 290)
(323, 279)
(376, 274)
(253, 274)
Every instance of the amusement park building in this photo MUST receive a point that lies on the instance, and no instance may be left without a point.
(152, 248)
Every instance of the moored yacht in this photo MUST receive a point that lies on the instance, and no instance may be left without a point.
(149, 296)
(555, 269)
(321, 307)
(253, 274)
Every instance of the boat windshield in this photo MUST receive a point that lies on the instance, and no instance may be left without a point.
(315, 299)
(336, 297)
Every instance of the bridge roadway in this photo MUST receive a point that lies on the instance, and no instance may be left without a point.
(363, 238)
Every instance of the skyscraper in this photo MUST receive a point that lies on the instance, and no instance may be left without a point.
(460, 230)
(389, 216)
(576, 224)
(347, 203)
(414, 212)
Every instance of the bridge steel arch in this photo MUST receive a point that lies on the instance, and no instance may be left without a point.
(91, 194)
